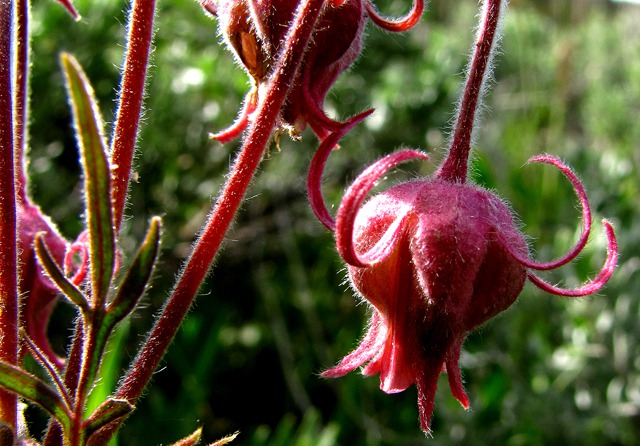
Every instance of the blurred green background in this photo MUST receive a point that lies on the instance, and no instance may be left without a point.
(276, 310)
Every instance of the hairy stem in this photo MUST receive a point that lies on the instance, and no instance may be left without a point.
(8, 227)
(131, 95)
(21, 96)
(71, 377)
(226, 206)
(454, 168)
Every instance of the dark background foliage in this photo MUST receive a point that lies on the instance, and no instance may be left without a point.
(276, 310)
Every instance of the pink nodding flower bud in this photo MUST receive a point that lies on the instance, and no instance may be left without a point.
(256, 31)
(38, 294)
(436, 259)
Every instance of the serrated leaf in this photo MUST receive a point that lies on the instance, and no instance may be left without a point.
(69, 290)
(137, 277)
(33, 389)
(97, 177)
(110, 410)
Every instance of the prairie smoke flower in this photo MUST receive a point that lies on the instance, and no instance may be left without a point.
(256, 30)
(436, 259)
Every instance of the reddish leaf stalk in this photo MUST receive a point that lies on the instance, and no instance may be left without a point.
(8, 227)
(454, 169)
(131, 97)
(227, 204)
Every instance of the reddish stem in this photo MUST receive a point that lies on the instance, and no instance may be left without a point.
(8, 235)
(21, 96)
(131, 95)
(454, 168)
(227, 204)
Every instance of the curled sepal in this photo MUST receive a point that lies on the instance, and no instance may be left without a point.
(369, 347)
(97, 178)
(241, 122)
(596, 283)
(33, 389)
(397, 25)
(68, 288)
(586, 219)
(350, 205)
(137, 277)
(316, 168)
(110, 410)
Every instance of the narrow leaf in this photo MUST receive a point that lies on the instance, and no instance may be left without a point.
(191, 440)
(68, 288)
(33, 389)
(137, 277)
(226, 440)
(97, 177)
(110, 410)
(48, 366)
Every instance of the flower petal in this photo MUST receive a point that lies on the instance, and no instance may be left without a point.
(453, 374)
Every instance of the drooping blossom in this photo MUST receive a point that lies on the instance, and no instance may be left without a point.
(437, 257)
(38, 293)
(435, 260)
(255, 30)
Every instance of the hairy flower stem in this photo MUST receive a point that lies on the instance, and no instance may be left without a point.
(21, 96)
(131, 96)
(8, 227)
(225, 209)
(77, 376)
(454, 168)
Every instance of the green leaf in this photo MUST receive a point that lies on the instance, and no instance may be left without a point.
(137, 277)
(97, 177)
(110, 410)
(33, 389)
(70, 291)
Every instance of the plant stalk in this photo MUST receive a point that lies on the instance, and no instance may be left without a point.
(8, 226)
(124, 136)
(21, 108)
(454, 168)
(227, 205)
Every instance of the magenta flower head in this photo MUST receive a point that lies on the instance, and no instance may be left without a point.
(256, 30)
(437, 257)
